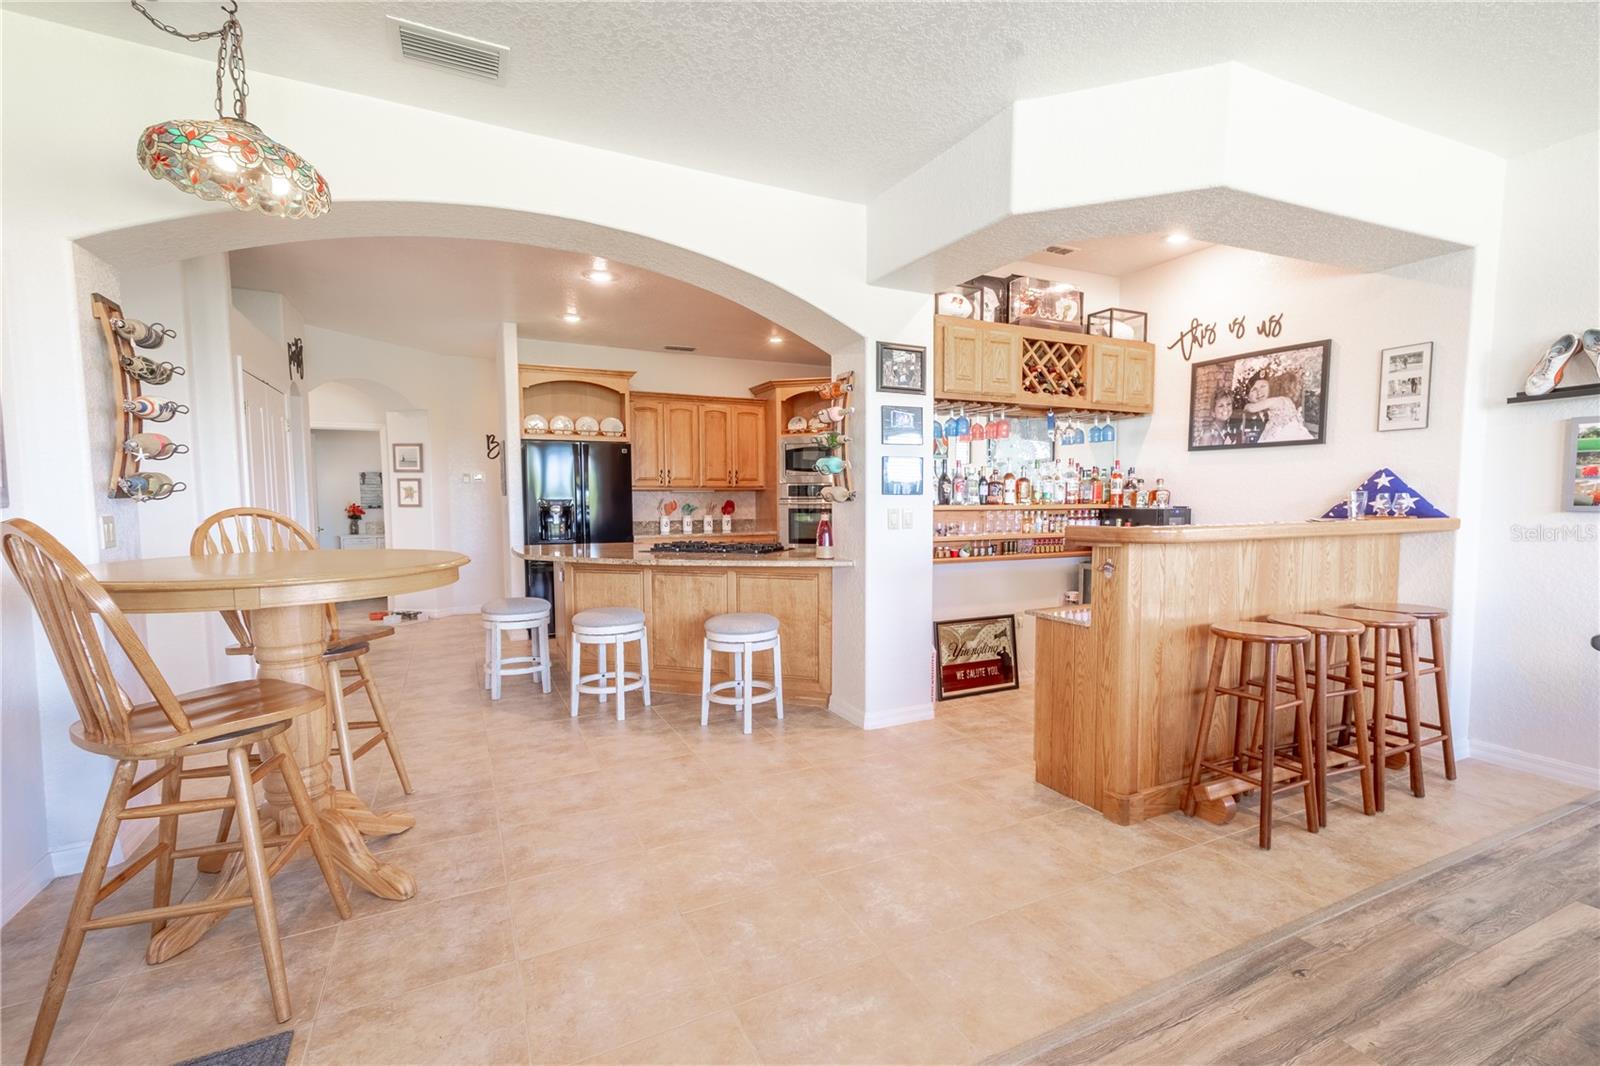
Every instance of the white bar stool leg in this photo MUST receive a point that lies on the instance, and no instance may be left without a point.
(644, 662)
(777, 678)
(574, 668)
(601, 647)
(544, 660)
(488, 651)
(622, 695)
(705, 684)
(748, 690)
(495, 664)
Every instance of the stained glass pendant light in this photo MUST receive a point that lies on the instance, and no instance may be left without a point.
(229, 159)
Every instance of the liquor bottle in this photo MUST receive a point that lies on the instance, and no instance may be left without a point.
(997, 489)
(1085, 486)
(1162, 496)
(824, 538)
(946, 486)
(1008, 489)
(1114, 484)
(1024, 488)
(983, 485)
(958, 487)
(1069, 484)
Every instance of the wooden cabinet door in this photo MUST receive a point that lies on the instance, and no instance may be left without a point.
(1105, 374)
(1001, 377)
(716, 444)
(680, 442)
(960, 359)
(750, 447)
(1138, 377)
(644, 433)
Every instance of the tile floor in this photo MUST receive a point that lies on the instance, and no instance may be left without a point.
(651, 892)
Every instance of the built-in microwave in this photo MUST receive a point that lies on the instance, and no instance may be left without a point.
(797, 521)
(799, 465)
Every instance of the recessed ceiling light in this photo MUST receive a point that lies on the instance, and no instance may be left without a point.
(600, 273)
(776, 338)
(572, 317)
(1177, 238)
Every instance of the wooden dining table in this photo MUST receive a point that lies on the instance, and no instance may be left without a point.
(284, 593)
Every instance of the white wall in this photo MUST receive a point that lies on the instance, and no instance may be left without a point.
(668, 371)
(1535, 679)
(340, 457)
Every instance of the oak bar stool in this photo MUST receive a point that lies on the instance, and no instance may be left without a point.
(1394, 646)
(516, 612)
(1259, 765)
(169, 728)
(1431, 664)
(741, 635)
(1327, 632)
(254, 529)
(609, 627)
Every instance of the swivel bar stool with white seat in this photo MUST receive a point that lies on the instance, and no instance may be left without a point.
(609, 627)
(516, 612)
(741, 635)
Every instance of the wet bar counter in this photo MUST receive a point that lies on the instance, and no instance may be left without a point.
(1116, 688)
(677, 593)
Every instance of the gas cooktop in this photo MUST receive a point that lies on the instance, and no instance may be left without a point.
(718, 547)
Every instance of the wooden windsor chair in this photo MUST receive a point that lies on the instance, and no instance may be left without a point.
(254, 529)
(72, 607)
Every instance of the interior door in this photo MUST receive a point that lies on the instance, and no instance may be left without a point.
(266, 445)
(644, 431)
(749, 447)
(716, 444)
(680, 442)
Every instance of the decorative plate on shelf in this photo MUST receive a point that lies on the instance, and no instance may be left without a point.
(586, 426)
(561, 424)
(535, 424)
(611, 427)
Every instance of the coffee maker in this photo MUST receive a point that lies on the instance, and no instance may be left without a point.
(555, 520)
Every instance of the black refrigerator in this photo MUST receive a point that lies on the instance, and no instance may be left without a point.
(574, 492)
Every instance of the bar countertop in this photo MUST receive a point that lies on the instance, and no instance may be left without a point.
(1196, 534)
(633, 555)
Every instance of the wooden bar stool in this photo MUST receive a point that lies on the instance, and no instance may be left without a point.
(1259, 765)
(1391, 632)
(1431, 664)
(166, 730)
(1332, 681)
(609, 627)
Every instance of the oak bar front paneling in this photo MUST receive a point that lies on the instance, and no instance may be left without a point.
(1116, 700)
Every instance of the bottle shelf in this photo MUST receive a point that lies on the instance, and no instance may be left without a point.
(962, 538)
(1074, 553)
(975, 507)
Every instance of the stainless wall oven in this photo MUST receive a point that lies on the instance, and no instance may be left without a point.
(797, 521)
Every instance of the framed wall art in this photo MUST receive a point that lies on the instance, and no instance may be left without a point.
(902, 425)
(902, 368)
(408, 492)
(1404, 376)
(902, 475)
(1580, 466)
(407, 458)
(1260, 399)
(976, 655)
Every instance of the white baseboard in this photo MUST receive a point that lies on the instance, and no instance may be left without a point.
(1557, 769)
(917, 712)
(22, 888)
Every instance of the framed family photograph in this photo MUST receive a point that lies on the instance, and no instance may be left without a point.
(902, 368)
(1580, 475)
(976, 655)
(407, 458)
(1404, 376)
(408, 492)
(902, 425)
(1260, 399)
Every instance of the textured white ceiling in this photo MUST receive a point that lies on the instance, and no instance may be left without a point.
(1117, 256)
(447, 295)
(844, 99)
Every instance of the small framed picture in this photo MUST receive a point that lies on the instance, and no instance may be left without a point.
(902, 475)
(976, 655)
(902, 368)
(1404, 377)
(902, 425)
(1580, 466)
(408, 492)
(408, 458)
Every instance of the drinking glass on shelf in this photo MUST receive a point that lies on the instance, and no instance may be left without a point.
(1380, 505)
(1357, 504)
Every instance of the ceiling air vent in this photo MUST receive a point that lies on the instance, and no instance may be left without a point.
(1060, 249)
(453, 51)
(678, 348)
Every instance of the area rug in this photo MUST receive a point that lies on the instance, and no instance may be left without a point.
(268, 1051)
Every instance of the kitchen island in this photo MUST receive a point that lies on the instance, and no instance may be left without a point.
(1117, 685)
(678, 591)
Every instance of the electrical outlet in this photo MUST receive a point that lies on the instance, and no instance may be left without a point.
(905, 518)
(894, 518)
(108, 531)
(477, 475)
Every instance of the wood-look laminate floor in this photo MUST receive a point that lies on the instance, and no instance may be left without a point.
(652, 891)
(1492, 957)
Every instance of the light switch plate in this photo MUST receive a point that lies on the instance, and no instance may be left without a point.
(894, 518)
(108, 531)
(905, 518)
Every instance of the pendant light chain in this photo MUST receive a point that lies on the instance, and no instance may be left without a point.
(230, 53)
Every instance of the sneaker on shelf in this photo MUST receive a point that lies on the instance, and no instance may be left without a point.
(1591, 348)
(1547, 372)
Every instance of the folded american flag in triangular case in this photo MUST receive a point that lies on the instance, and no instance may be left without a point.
(1404, 501)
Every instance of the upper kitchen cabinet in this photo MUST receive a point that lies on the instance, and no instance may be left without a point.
(1041, 368)
(716, 444)
(957, 357)
(732, 445)
(644, 427)
(750, 439)
(666, 441)
(1121, 375)
(551, 392)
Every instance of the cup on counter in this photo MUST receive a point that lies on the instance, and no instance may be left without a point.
(1357, 504)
